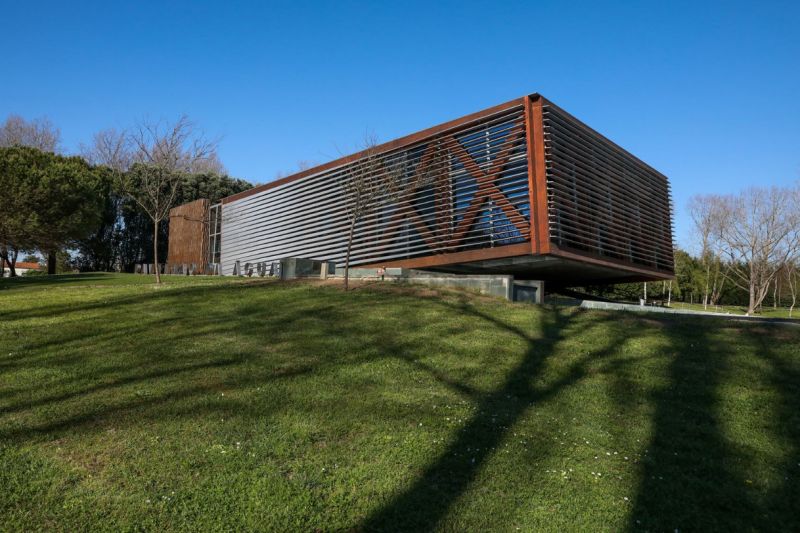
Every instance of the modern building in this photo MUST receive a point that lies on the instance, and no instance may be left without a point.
(522, 188)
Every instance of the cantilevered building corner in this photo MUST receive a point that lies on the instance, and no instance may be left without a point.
(521, 188)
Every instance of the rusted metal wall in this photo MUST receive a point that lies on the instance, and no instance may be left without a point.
(602, 200)
(188, 235)
(523, 178)
(464, 188)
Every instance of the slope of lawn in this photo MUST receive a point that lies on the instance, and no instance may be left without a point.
(766, 312)
(216, 404)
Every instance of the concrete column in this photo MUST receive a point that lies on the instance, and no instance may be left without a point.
(529, 291)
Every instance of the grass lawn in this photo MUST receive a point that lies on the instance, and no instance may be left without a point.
(766, 312)
(218, 404)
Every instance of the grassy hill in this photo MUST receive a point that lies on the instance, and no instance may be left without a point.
(218, 404)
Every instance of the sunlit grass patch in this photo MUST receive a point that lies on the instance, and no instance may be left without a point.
(219, 404)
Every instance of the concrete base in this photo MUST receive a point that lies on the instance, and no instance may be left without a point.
(371, 273)
(529, 291)
(499, 285)
(295, 267)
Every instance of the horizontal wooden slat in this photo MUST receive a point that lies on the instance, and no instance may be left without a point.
(307, 217)
(602, 200)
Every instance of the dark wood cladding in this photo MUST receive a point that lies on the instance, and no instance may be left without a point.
(188, 234)
(601, 200)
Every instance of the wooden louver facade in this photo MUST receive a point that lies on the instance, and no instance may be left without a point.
(188, 236)
(521, 188)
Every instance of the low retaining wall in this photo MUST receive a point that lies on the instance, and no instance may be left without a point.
(500, 286)
(613, 306)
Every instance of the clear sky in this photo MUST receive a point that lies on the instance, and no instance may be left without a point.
(707, 93)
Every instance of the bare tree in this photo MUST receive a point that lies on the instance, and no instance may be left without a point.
(208, 165)
(758, 231)
(705, 214)
(162, 153)
(37, 133)
(373, 180)
(793, 281)
(111, 148)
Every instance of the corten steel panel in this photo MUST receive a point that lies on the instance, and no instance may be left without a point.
(603, 202)
(188, 234)
(466, 189)
(521, 178)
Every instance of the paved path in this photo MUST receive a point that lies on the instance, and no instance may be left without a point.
(614, 306)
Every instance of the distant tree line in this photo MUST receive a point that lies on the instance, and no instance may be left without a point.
(747, 253)
(104, 209)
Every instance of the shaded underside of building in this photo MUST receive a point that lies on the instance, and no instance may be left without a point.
(522, 188)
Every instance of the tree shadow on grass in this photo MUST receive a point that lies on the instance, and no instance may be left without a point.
(312, 326)
(691, 476)
(783, 500)
(154, 294)
(95, 378)
(687, 479)
(23, 282)
(424, 504)
(99, 376)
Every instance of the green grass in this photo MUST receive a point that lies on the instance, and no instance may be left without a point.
(217, 404)
(766, 311)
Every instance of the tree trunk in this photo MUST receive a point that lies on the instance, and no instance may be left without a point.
(669, 295)
(51, 263)
(347, 256)
(775, 294)
(10, 259)
(155, 251)
(751, 306)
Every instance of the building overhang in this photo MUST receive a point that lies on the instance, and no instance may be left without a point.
(558, 266)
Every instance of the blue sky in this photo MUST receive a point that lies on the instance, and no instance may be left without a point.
(708, 93)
